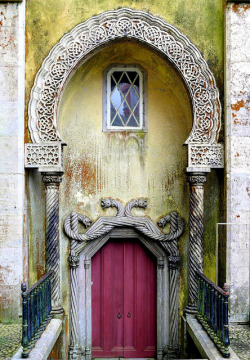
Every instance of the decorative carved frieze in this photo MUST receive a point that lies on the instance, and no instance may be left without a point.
(124, 24)
(209, 156)
(38, 155)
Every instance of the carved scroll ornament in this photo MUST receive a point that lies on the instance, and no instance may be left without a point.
(104, 224)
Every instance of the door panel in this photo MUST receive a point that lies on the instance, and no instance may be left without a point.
(123, 301)
(107, 301)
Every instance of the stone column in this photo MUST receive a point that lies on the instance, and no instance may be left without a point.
(174, 274)
(196, 217)
(74, 350)
(52, 182)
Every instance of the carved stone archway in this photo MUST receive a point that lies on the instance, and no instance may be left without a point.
(72, 50)
(99, 30)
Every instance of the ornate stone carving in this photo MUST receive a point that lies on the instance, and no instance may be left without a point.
(144, 225)
(52, 182)
(197, 179)
(71, 225)
(106, 203)
(51, 179)
(124, 24)
(37, 155)
(196, 216)
(138, 203)
(160, 263)
(210, 156)
(174, 262)
(73, 261)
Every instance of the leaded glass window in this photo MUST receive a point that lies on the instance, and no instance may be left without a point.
(124, 98)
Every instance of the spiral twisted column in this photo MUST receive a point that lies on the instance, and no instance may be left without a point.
(74, 350)
(174, 274)
(52, 245)
(196, 218)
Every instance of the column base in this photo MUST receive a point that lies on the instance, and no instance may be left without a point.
(190, 309)
(57, 310)
(172, 352)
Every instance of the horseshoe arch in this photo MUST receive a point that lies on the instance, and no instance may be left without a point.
(99, 30)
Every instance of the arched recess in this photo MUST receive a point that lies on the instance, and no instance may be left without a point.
(124, 23)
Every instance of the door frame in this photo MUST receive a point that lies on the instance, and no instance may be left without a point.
(84, 282)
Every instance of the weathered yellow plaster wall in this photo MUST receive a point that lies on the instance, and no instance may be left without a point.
(150, 165)
(124, 165)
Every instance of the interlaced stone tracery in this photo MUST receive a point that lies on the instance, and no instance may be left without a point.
(124, 24)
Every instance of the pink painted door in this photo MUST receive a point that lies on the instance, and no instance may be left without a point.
(123, 301)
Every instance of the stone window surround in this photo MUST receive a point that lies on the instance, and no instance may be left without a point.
(143, 95)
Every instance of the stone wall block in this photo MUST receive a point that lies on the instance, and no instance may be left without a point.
(10, 16)
(11, 192)
(9, 297)
(11, 270)
(242, 217)
(240, 192)
(11, 228)
(240, 156)
(9, 125)
(11, 51)
(9, 83)
(12, 150)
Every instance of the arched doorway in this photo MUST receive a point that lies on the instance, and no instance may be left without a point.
(123, 276)
(69, 54)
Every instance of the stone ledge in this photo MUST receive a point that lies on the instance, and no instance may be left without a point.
(45, 344)
(203, 342)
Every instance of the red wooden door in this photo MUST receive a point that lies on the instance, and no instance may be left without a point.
(123, 301)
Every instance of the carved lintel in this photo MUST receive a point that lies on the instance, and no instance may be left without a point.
(74, 261)
(160, 263)
(174, 262)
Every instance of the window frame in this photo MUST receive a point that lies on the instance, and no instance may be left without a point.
(107, 92)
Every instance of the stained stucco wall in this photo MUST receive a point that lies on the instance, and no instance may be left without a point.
(120, 165)
(237, 161)
(13, 249)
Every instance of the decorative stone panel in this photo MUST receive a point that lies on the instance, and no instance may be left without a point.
(37, 155)
(209, 156)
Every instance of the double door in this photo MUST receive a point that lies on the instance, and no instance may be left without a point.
(123, 301)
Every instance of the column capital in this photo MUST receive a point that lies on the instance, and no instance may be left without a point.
(52, 178)
(174, 262)
(73, 261)
(196, 178)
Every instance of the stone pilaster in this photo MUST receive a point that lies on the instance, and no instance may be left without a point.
(52, 182)
(74, 350)
(196, 218)
(173, 350)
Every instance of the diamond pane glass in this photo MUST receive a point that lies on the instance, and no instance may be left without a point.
(125, 99)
